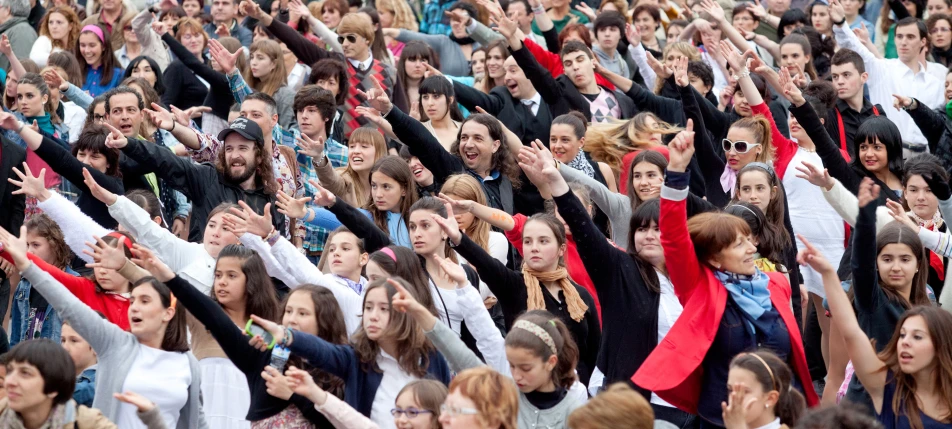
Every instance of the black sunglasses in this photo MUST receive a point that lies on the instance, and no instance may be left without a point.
(352, 38)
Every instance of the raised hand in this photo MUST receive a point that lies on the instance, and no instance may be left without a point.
(222, 30)
(681, 149)
(313, 148)
(714, 10)
(404, 301)
(458, 206)
(101, 194)
(681, 72)
(431, 71)
(300, 7)
(377, 98)
(251, 9)
(141, 403)
(160, 117)
(10, 122)
(790, 90)
(812, 257)
(632, 34)
(415, 111)
(225, 59)
(661, 70)
(837, 13)
(105, 255)
(276, 383)
(452, 271)
(373, 115)
(505, 26)
(734, 412)
(536, 168)
(29, 185)
(900, 102)
(586, 10)
(15, 247)
(868, 192)
(458, 15)
(815, 176)
(5, 47)
(54, 80)
(322, 197)
(256, 224)
(144, 258)
(862, 33)
(898, 214)
(733, 56)
(448, 224)
(292, 207)
(115, 139)
(159, 27)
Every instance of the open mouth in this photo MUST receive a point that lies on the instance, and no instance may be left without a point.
(135, 320)
(470, 155)
(418, 172)
(357, 159)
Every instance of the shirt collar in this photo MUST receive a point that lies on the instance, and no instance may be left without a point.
(537, 98)
(362, 65)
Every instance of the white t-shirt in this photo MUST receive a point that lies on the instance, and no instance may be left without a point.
(394, 378)
(162, 377)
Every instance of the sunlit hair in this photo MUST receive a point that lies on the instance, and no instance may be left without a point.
(403, 16)
(897, 233)
(429, 395)
(773, 374)
(396, 169)
(176, 332)
(610, 142)
(42, 226)
(905, 403)
(581, 30)
(683, 48)
(616, 407)
(260, 298)
(493, 394)
(72, 20)
(712, 232)
(563, 375)
(364, 135)
(278, 77)
(465, 187)
(413, 349)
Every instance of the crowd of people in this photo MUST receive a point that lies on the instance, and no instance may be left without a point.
(491, 214)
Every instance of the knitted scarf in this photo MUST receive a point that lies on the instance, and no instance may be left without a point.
(935, 261)
(581, 163)
(536, 301)
(45, 123)
(9, 419)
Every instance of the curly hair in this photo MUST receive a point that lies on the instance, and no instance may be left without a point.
(72, 38)
(502, 160)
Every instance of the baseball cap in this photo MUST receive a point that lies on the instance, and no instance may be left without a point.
(245, 128)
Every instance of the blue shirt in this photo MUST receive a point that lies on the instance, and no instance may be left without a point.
(92, 85)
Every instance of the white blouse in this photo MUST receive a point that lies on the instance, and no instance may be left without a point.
(160, 376)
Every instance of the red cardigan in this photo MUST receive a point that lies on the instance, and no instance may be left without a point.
(114, 306)
(673, 370)
(784, 148)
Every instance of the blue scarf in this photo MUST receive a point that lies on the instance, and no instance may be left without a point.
(45, 123)
(749, 292)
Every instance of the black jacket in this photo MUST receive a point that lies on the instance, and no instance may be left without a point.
(14, 206)
(219, 96)
(937, 128)
(201, 183)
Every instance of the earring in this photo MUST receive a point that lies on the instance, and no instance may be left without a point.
(766, 405)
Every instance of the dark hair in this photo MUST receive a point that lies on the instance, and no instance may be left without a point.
(436, 206)
(397, 169)
(147, 200)
(322, 99)
(934, 19)
(563, 375)
(883, 130)
(406, 265)
(53, 363)
(844, 56)
(925, 165)
(574, 119)
(93, 139)
(744, 8)
(703, 71)
(611, 18)
(332, 68)
(776, 207)
(573, 46)
(159, 86)
(108, 58)
(123, 90)
(415, 50)
(804, 43)
(502, 160)
(642, 217)
(651, 157)
(821, 95)
(176, 333)
(68, 62)
(790, 17)
(921, 26)
(42, 226)
(467, 6)
(897, 233)
(260, 297)
(264, 171)
(774, 375)
(822, 49)
(846, 415)
(438, 85)
(37, 81)
(330, 327)
(264, 98)
(651, 9)
(769, 243)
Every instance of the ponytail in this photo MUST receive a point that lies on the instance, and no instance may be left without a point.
(545, 335)
(761, 128)
(774, 375)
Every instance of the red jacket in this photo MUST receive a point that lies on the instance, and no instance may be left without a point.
(673, 370)
(114, 306)
(573, 262)
(784, 148)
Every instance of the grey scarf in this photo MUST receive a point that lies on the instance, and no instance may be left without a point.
(581, 163)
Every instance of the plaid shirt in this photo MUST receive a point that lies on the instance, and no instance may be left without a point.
(336, 152)
(433, 21)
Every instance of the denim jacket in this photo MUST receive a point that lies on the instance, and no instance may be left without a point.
(20, 316)
(85, 387)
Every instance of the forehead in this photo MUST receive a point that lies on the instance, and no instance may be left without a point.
(791, 48)
(301, 299)
(645, 166)
(910, 29)
(737, 133)
(473, 127)
(376, 295)
(896, 249)
(235, 140)
(915, 323)
(843, 68)
(536, 228)
(254, 106)
(380, 177)
(344, 237)
(123, 99)
(754, 177)
(562, 129)
(511, 62)
(228, 263)
(145, 289)
(88, 38)
(421, 215)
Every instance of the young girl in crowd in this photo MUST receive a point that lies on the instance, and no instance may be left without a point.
(352, 183)
(72, 116)
(411, 69)
(266, 73)
(99, 65)
(146, 68)
(59, 30)
(152, 357)
(761, 393)
(438, 109)
(466, 196)
(757, 184)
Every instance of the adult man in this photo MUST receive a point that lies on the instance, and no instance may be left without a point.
(223, 17)
(905, 75)
(233, 177)
(111, 13)
(14, 25)
(852, 108)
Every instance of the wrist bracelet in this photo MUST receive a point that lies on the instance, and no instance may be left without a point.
(839, 23)
(173, 126)
(539, 10)
(743, 73)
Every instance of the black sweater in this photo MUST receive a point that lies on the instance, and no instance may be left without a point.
(629, 305)
(183, 89)
(219, 96)
(67, 166)
(247, 359)
(510, 289)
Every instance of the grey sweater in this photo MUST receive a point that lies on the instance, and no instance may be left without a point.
(452, 60)
(22, 37)
(461, 358)
(616, 206)
(115, 348)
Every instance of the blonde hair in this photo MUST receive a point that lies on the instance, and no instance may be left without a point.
(466, 187)
(610, 142)
(274, 80)
(493, 394)
(402, 14)
(683, 48)
(617, 406)
(357, 23)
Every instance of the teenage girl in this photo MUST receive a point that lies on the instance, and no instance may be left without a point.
(97, 62)
(438, 109)
(761, 393)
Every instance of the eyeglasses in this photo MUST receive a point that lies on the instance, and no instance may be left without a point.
(410, 412)
(739, 146)
(99, 118)
(451, 411)
(352, 38)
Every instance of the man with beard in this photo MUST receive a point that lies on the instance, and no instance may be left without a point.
(241, 172)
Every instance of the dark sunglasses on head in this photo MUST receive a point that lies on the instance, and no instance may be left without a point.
(739, 146)
(352, 38)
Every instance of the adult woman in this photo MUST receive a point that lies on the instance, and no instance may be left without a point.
(153, 356)
(940, 37)
(438, 109)
(184, 89)
(647, 19)
(146, 68)
(495, 54)
(712, 249)
(911, 353)
(796, 55)
(332, 11)
(396, 14)
(454, 51)
(59, 30)
(99, 64)
(820, 18)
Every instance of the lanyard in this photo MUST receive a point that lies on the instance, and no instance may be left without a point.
(839, 123)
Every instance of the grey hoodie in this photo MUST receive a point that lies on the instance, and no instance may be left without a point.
(22, 37)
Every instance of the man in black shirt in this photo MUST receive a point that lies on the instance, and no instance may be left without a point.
(852, 108)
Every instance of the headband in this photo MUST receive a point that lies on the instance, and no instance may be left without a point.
(122, 239)
(389, 252)
(773, 381)
(537, 331)
(95, 29)
(763, 166)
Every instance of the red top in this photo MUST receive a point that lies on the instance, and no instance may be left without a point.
(553, 64)
(573, 262)
(114, 306)
(784, 148)
(673, 370)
